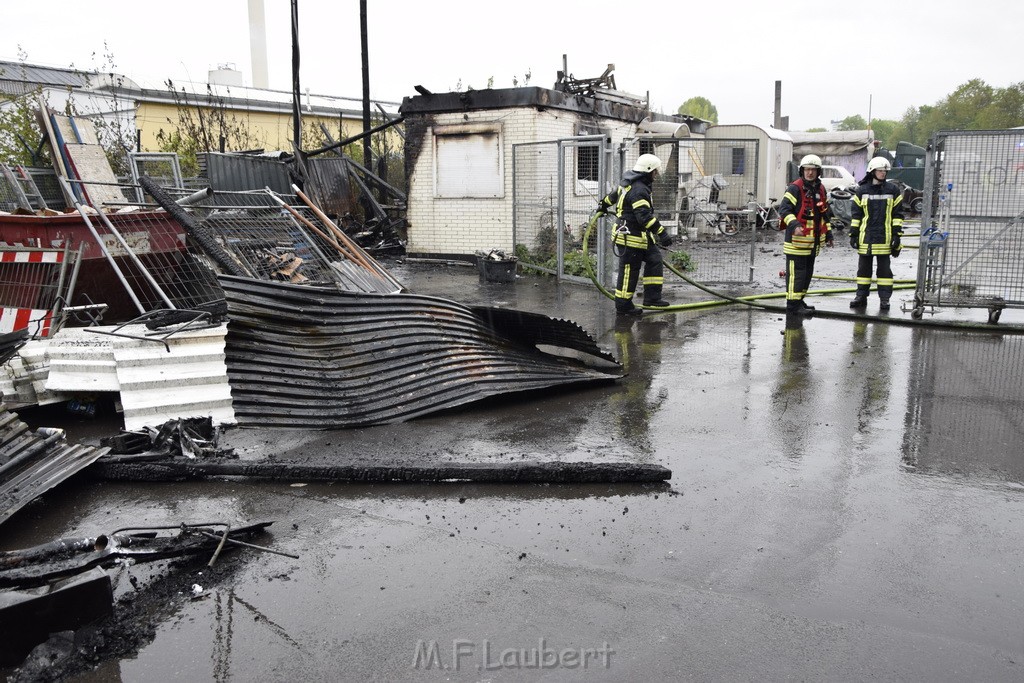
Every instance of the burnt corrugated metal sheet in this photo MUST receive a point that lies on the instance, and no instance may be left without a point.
(33, 462)
(240, 172)
(328, 184)
(10, 342)
(317, 358)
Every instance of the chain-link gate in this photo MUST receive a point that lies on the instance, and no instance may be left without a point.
(972, 237)
(556, 188)
(703, 196)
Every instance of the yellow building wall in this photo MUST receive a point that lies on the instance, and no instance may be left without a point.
(270, 131)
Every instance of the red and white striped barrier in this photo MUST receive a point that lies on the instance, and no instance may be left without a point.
(40, 256)
(35, 320)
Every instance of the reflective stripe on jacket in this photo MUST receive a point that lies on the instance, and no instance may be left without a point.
(805, 213)
(877, 217)
(630, 202)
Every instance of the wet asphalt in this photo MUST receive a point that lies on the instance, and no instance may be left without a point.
(845, 504)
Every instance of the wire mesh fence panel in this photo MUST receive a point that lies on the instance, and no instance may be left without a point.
(137, 257)
(162, 167)
(142, 261)
(703, 196)
(535, 204)
(33, 284)
(717, 262)
(46, 183)
(582, 182)
(972, 391)
(269, 242)
(972, 248)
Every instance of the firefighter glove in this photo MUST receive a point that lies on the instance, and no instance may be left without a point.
(854, 238)
(896, 247)
(665, 239)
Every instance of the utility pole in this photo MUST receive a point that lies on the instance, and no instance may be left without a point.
(367, 159)
(296, 90)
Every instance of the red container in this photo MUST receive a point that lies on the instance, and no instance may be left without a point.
(153, 236)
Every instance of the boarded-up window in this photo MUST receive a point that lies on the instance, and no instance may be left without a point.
(468, 161)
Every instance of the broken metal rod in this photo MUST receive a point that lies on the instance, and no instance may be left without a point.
(355, 138)
(243, 543)
(364, 259)
(220, 546)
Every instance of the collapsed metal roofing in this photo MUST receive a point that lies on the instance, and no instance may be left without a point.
(318, 358)
(33, 462)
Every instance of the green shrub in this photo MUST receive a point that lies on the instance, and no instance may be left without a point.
(576, 264)
(682, 260)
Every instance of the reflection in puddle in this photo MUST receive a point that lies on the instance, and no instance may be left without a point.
(965, 413)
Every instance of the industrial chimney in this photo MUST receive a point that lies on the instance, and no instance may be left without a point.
(258, 44)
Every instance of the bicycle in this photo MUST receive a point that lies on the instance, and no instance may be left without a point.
(765, 216)
(714, 217)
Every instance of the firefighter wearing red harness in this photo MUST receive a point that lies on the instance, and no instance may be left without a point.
(805, 217)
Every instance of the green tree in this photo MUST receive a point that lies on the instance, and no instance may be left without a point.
(19, 130)
(883, 128)
(1006, 109)
(699, 107)
(816, 130)
(958, 111)
(855, 122)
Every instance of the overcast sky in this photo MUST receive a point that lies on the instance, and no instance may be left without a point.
(834, 58)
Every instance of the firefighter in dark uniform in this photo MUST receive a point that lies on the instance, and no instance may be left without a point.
(805, 218)
(637, 236)
(876, 230)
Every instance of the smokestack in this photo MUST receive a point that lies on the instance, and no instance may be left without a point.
(258, 44)
(778, 106)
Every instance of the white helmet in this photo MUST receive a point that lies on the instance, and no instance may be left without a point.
(879, 164)
(812, 160)
(647, 163)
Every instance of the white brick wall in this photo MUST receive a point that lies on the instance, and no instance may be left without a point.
(464, 226)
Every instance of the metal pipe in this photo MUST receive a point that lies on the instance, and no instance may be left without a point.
(265, 549)
(338, 232)
(66, 186)
(364, 259)
(220, 546)
(134, 257)
(197, 196)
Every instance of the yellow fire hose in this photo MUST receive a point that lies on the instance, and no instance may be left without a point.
(753, 300)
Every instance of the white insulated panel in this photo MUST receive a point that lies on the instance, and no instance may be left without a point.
(188, 381)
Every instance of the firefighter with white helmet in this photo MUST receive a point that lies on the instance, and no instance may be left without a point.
(876, 230)
(806, 219)
(637, 236)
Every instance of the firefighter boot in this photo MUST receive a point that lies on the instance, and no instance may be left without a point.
(652, 296)
(625, 307)
(883, 304)
(798, 307)
(860, 300)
